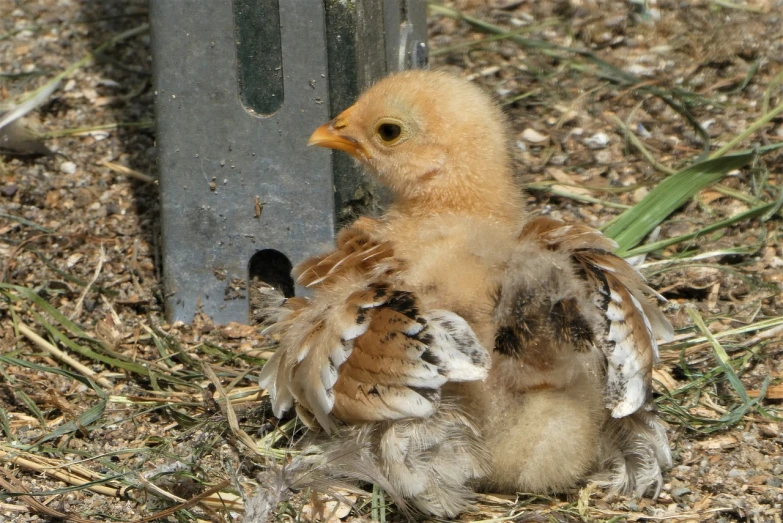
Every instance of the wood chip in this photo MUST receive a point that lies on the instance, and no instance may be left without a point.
(234, 330)
(774, 392)
(665, 379)
(565, 178)
(717, 443)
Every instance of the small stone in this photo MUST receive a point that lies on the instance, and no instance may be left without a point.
(769, 430)
(73, 259)
(532, 136)
(68, 167)
(680, 492)
(603, 157)
(9, 190)
(639, 194)
(597, 141)
(559, 159)
(640, 70)
(717, 442)
(758, 479)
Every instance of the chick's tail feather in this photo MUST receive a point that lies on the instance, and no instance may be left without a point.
(422, 464)
(634, 452)
(331, 467)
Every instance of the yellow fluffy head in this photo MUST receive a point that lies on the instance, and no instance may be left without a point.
(424, 134)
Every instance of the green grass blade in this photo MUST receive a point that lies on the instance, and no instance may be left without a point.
(636, 223)
(87, 352)
(31, 406)
(8, 360)
(28, 223)
(378, 505)
(662, 244)
(752, 128)
(109, 358)
(66, 490)
(31, 295)
(84, 420)
(722, 357)
(6, 426)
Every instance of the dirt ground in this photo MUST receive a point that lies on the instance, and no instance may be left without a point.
(79, 255)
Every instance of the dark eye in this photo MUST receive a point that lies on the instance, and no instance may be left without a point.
(389, 131)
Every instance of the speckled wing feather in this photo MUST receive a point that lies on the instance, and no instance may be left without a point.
(363, 350)
(633, 320)
(356, 251)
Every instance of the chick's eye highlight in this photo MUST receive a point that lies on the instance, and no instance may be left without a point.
(389, 132)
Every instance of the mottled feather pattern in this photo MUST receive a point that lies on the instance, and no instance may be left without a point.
(363, 350)
(630, 351)
(314, 344)
(633, 321)
(356, 251)
(393, 375)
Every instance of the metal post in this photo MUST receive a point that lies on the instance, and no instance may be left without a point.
(240, 85)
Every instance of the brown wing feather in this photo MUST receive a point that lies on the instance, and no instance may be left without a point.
(361, 350)
(633, 321)
(356, 251)
(558, 235)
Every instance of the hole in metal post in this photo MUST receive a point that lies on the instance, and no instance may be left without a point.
(273, 268)
(259, 55)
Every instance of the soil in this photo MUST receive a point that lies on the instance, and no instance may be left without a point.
(83, 235)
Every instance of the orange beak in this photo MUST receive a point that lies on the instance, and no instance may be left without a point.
(328, 135)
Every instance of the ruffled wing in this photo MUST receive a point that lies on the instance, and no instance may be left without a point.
(633, 321)
(362, 349)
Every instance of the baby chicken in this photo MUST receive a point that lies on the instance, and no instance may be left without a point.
(461, 342)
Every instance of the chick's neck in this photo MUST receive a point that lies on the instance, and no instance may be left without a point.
(488, 192)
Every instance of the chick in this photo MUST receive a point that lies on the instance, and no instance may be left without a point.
(464, 343)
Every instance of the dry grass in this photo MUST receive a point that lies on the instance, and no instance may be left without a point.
(647, 119)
